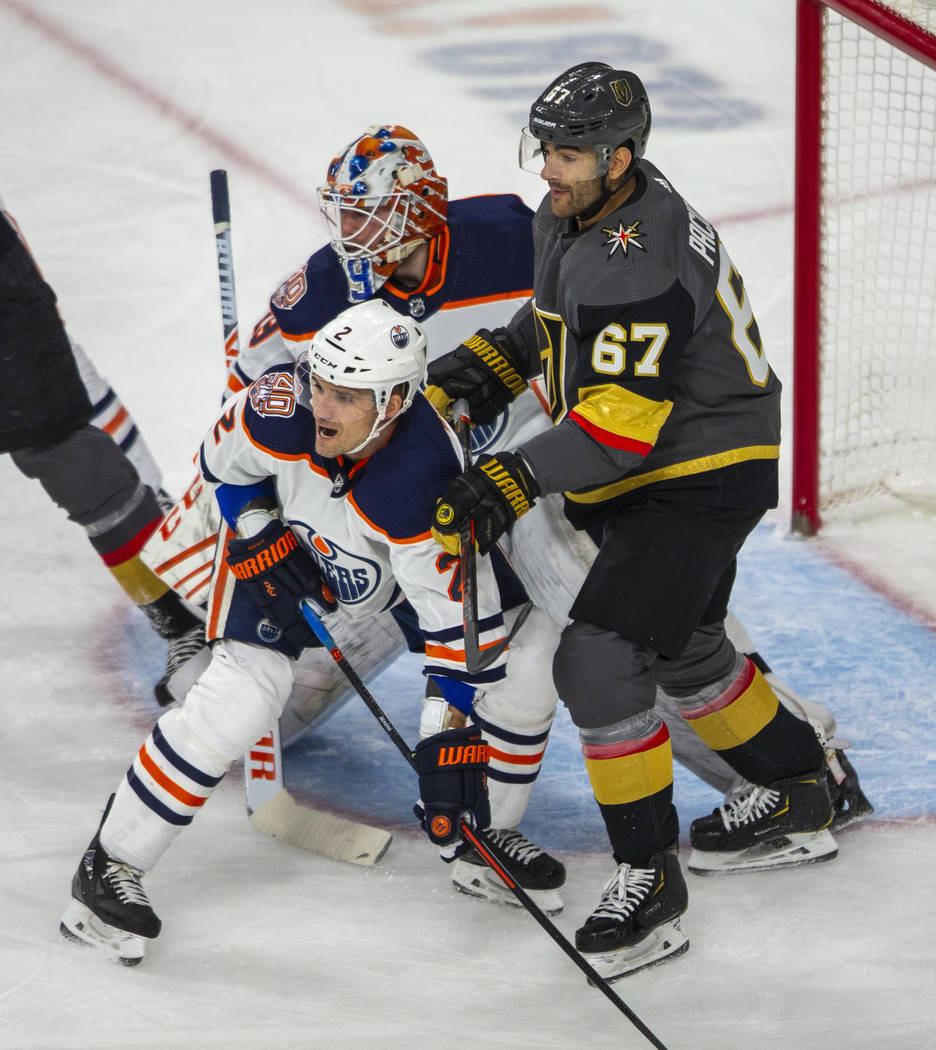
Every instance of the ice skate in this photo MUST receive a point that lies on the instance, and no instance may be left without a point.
(778, 826)
(109, 909)
(187, 657)
(536, 872)
(849, 802)
(636, 923)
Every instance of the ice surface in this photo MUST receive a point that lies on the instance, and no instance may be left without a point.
(113, 114)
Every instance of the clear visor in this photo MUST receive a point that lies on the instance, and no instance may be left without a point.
(363, 227)
(534, 153)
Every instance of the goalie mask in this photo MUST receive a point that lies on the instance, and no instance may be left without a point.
(366, 347)
(382, 197)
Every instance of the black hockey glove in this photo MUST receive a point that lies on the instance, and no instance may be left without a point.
(278, 572)
(492, 494)
(452, 768)
(482, 371)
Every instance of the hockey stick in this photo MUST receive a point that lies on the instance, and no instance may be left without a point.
(270, 807)
(221, 214)
(478, 839)
(274, 811)
(475, 660)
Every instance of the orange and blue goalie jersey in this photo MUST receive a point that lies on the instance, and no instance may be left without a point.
(480, 270)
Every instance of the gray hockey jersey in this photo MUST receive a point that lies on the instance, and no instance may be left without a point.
(652, 359)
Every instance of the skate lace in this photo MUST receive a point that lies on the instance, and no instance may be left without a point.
(515, 845)
(747, 807)
(126, 884)
(183, 648)
(624, 892)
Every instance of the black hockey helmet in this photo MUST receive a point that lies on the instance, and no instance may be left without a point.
(593, 104)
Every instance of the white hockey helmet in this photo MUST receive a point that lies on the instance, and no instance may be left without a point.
(369, 347)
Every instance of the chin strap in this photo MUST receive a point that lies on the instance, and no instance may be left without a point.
(607, 193)
(592, 210)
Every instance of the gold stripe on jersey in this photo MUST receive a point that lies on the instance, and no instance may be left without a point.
(676, 470)
(551, 336)
(621, 418)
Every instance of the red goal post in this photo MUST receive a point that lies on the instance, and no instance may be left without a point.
(864, 332)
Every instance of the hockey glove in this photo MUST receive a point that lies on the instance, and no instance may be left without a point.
(482, 371)
(278, 572)
(452, 768)
(492, 494)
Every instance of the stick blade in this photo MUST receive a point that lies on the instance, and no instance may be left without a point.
(319, 832)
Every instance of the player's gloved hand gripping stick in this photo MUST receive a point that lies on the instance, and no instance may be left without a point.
(475, 659)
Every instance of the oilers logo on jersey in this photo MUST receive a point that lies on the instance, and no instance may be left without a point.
(485, 435)
(351, 577)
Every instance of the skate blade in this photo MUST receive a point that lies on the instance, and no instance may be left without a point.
(81, 925)
(661, 944)
(809, 847)
(476, 882)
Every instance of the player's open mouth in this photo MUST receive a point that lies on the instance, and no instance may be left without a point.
(326, 432)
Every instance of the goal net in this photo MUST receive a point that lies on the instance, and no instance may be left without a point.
(865, 235)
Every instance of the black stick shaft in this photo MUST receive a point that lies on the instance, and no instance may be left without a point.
(469, 569)
(221, 214)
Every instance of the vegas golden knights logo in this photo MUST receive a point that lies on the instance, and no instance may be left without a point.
(622, 92)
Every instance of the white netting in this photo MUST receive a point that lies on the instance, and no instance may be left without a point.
(878, 338)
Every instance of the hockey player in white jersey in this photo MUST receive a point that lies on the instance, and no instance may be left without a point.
(328, 473)
(455, 266)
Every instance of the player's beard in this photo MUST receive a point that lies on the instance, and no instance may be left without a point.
(576, 198)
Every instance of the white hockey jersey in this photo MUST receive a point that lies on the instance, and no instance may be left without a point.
(366, 523)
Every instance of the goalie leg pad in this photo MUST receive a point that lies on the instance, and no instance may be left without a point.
(320, 688)
(181, 551)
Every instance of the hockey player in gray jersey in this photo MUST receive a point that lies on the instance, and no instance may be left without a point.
(64, 426)
(665, 440)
